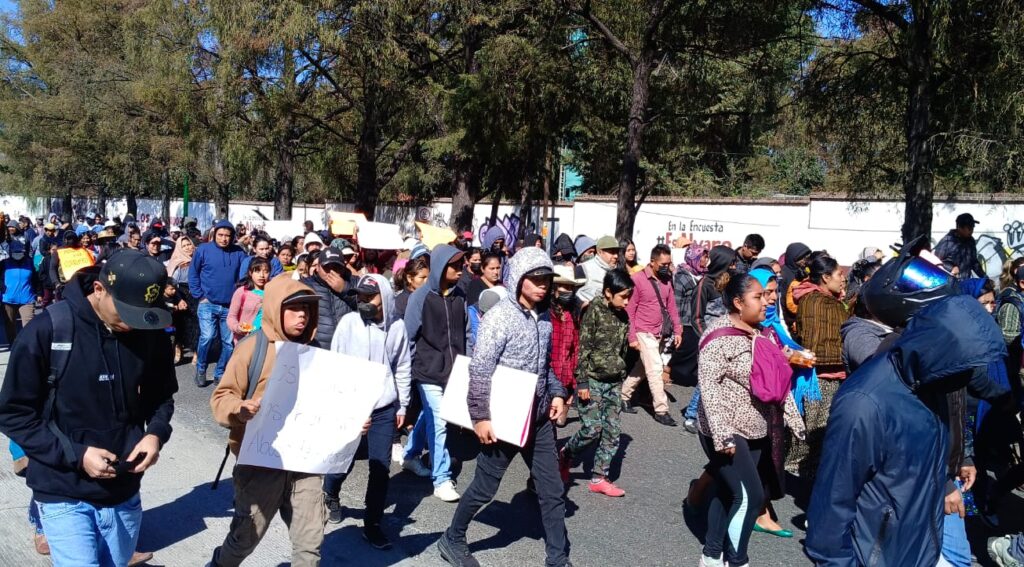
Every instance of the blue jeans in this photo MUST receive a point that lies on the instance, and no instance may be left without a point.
(955, 548)
(213, 320)
(431, 432)
(83, 535)
(691, 410)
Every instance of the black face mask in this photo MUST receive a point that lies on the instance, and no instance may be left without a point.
(367, 311)
(564, 298)
(664, 273)
(475, 268)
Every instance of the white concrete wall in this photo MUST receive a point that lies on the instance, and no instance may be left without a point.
(842, 227)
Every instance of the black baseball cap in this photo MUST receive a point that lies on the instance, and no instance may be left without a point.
(543, 271)
(966, 219)
(331, 255)
(136, 283)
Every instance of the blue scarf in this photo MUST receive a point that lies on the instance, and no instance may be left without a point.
(805, 380)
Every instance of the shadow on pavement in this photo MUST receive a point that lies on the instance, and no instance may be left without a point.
(346, 546)
(185, 517)
(515, 520)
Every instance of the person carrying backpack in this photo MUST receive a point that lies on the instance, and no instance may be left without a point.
(289, 314)
(91, 433)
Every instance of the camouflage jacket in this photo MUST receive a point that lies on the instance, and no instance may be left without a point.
(603, 344)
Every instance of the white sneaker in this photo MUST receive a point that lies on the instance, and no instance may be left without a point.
(446, 491)
(398, 453)
(706, 561)
(416, 467)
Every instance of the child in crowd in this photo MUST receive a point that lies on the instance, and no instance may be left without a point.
(375, 332)
(290, 314)
(245, 313)
(600, 372)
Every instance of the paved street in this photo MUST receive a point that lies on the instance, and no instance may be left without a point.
(185, 519)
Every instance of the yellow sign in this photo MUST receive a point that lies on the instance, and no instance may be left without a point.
(343, 223)
(433, 235)
(74, 259)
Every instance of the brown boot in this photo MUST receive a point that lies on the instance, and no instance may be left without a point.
(140, 557)
(42, 548)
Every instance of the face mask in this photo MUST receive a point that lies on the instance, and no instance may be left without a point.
(367, 311)
(564, 298)
(664, 272)
(587, 257)
(475, 268)
(18, 256)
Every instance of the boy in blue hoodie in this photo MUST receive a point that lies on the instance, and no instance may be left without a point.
(212, 281)
(375, 333)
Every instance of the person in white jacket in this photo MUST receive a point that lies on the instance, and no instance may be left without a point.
(375, 333)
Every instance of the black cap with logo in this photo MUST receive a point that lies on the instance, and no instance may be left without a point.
(331, 255)
(136, 283)
(367, 286)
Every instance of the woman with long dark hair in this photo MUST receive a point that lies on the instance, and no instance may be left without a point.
(245, 315)
(820, 315)
(733, 430)
(490, 276)
(186, 321)
(627, 256)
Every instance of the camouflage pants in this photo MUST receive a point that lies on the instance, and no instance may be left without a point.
(600, 419)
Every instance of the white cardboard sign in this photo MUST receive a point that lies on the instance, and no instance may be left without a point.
(312, 411)
(512, 393)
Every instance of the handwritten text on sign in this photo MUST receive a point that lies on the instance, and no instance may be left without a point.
(312, 411)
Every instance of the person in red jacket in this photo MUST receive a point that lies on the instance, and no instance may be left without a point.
(565, 329)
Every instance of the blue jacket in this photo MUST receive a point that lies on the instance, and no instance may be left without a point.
(19, 281)
(214, 270)
(878, 496)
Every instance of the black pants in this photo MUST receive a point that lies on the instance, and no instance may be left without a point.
(541, 457)
(738, 499)
(683, 364)
(377, 443)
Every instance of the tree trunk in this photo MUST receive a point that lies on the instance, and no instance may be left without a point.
(284, 181)
(918, 186)
(367, 190)
(133, 204)
(101, 199)
(628, 179)
(465, 193)
(221, 200)
(165, 196)
(68, 204)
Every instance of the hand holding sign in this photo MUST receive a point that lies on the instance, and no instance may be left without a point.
(312, 412)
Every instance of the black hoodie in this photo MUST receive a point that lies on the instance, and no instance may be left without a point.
(791, 273)
(117, 388)
(720, 259)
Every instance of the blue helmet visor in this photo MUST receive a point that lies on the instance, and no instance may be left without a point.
(921, 275)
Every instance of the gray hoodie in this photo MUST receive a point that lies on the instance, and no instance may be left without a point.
(514, 337)
(384, 342)
(861, 338)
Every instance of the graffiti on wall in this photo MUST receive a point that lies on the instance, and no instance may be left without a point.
(432, 216)
(705, 233)
(993, 251)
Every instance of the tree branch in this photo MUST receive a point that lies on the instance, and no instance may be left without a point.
(887, 13)
(608, 34)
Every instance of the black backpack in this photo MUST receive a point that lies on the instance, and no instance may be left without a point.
(63, 332)
(259, 356)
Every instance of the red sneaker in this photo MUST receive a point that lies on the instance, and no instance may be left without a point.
(607, 488)
(563, 466)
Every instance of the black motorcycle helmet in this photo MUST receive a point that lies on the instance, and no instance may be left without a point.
(905, 284)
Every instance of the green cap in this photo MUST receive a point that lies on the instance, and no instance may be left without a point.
(607, 243)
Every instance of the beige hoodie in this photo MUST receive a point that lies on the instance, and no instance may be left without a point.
(227, 397)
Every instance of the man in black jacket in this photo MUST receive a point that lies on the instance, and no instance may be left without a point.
(329, 280)
(90, 433)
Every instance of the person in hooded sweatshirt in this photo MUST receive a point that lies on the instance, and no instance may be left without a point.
(874, 501)
(110, 410)
(211, 281)
(516, 333)
(606, 258)
(794, 270)
(20, 287)
(721, 261)
(375, 333)
(289, 315)
(437, 326)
